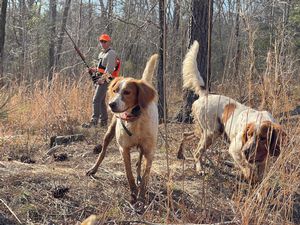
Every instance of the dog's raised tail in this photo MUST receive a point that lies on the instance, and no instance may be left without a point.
(150, 69)
(191, 76)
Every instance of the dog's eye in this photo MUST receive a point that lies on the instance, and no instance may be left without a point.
(126, 92)
(115, 91)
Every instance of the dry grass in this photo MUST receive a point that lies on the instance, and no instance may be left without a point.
(49, 108)
(176, 193)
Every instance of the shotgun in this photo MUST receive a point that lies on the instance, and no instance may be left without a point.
(94, 76)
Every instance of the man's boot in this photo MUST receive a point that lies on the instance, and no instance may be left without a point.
(90, 124)
(103, 123)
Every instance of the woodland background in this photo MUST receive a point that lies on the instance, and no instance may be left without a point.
(252, 55)
(34, 44)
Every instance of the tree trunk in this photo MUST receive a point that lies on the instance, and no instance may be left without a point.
(90, 13)
(2, 34)
(24, 43)
(62, 30)
(52, 39)
(103, 9)
(161, 63)
(176, 18)
(220, 35)
(238, 48)
(175, 47)
(200, 25)
(80, 18)
(200, 30)
(109, 27)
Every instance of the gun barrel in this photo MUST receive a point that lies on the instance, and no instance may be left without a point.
(77, 49)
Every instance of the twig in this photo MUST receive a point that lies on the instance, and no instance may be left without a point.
(149, 223)
(11, 211)
(151, 203)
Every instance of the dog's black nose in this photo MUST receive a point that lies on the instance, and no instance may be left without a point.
(112, 105)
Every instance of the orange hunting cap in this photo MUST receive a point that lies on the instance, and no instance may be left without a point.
(104, 37)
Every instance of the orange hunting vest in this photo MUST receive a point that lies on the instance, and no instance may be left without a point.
(115, 73)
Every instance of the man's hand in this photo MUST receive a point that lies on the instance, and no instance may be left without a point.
(92, 70)
(100, 81)
(106, 77)
(95, 78)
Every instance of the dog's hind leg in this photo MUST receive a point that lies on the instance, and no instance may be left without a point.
(109, 135)
(204, 143)
(185, 137)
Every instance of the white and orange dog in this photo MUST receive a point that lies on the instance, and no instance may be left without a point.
(253, 135)
(134, 123)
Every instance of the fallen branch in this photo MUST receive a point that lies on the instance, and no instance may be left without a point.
(11, 211)
(149, 223)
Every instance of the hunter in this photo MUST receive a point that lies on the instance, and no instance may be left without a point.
(107, 69)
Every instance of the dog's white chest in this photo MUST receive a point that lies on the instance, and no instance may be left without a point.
(140, 132)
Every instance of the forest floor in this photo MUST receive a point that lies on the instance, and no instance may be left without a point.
(41, 188)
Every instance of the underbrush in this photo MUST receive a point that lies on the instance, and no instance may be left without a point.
(48, 108)
(176, 193)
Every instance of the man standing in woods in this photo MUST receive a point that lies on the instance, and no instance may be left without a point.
(107, 69)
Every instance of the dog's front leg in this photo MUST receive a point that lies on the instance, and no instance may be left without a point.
(144, 183)
(127, 161)
(235, 150)
(139, 167)
(109, 135)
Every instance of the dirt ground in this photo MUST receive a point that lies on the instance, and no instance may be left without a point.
(50, 189)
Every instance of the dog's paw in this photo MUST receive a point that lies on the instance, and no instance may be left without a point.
(180, 156)
(198, 167)
(133, 196)
(91, 171)
(139, 206)
(250, 175)
(246, 172)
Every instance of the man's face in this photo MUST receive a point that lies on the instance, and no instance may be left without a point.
(104, 44)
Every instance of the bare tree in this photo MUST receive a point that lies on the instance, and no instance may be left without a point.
(176, 18)
(200, 29)
(2, 33)
(52, 29)
(237, 36)
(161, 63)
(34, 39)
(238, 47)
(63, 27)
(110, 7)
(24, 43)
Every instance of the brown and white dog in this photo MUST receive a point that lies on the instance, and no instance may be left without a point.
(253, 135)
(134, 123)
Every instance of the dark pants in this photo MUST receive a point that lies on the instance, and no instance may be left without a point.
(99, 104)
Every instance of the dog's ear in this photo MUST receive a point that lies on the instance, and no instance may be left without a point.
(146, 94)
(112, 85)
(277, 137)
